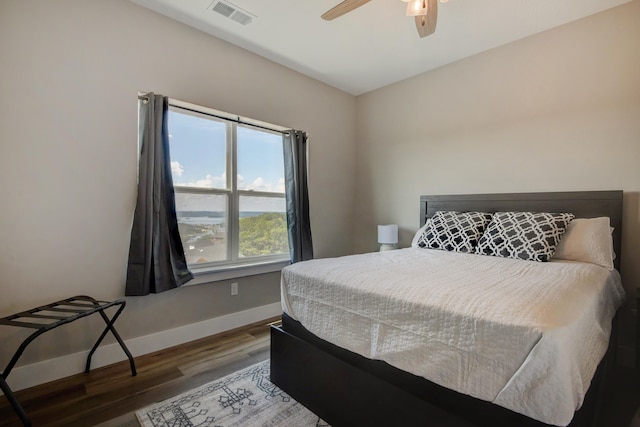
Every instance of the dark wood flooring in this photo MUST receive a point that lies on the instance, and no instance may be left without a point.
(108, 396)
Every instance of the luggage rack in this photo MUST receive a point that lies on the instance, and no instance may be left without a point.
(51, 316)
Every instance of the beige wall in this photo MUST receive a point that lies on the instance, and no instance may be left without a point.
(69, 79)
(558, 111)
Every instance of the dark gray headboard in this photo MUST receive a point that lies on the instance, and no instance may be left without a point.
(583, 204)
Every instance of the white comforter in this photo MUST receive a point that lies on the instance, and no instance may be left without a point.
(524, 335)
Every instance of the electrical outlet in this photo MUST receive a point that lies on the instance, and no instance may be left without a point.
(234, 288)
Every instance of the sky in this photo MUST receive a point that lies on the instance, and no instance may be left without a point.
(198, 159)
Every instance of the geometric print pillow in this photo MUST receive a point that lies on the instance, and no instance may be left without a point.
(454, 231)
(524, 235)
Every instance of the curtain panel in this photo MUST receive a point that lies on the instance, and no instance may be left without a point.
(297, 195)
(156, 255)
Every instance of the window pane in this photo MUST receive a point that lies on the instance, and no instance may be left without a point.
(198, 146)
(263, 226)
(202, 221)
(260, 160)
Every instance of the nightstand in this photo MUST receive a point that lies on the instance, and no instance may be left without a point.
(638, 332)
(635, 421)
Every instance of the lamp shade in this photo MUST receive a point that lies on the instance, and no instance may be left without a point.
(388, 234)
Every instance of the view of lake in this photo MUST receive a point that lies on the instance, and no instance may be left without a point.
(204, 235)
(201, 217)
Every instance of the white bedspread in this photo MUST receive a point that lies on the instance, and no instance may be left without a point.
(524, 335)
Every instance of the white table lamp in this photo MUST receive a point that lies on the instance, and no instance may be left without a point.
(387, 237)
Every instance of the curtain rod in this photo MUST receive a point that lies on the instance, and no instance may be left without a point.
(237, 119)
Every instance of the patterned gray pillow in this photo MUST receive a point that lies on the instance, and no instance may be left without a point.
(454, 231)
(524, 235)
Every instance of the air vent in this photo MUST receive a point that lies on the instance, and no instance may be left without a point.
(231, 11)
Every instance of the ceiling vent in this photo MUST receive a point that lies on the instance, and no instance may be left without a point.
(231, 11)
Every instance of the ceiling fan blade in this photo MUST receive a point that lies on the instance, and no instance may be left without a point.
(427, 24)
(345, 7)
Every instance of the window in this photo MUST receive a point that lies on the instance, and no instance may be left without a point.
(228, 178)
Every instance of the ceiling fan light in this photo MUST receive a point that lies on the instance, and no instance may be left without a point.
(417, 8)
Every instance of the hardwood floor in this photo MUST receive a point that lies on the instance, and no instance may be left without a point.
(108, 396)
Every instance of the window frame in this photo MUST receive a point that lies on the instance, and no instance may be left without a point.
(234, 265)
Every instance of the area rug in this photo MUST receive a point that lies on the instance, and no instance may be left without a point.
(244, 398)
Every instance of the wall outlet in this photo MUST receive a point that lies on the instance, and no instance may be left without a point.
(234, 288)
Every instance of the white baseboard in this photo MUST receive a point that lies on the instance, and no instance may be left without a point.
(53, 369)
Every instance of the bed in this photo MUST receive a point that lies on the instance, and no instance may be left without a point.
(493, 341)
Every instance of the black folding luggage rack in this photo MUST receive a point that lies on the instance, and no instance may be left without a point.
(51, 316)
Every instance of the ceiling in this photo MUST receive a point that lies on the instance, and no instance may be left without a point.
(377, 44)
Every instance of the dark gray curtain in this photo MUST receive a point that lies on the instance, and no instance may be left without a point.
(297, 194)
(156, 256)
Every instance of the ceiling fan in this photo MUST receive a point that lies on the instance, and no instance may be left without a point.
(424, 11)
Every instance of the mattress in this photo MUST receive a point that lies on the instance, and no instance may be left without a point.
(527, 336)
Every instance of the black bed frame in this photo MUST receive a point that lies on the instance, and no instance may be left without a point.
(346, 389)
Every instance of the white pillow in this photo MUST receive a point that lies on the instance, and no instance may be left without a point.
(416, 237)
(587, 240)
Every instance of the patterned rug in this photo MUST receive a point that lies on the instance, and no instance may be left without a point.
(244, 398)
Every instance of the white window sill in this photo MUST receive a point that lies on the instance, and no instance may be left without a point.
(215, 274)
